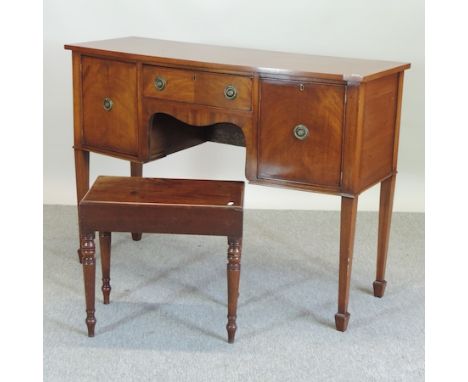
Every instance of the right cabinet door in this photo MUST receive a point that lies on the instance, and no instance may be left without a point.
(300, 132)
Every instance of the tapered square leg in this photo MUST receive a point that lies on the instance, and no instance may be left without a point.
(105, 245)
(387, 190)
(89, 274)
(136, 169)
(233, 276)
(82, 180)
(136, 236)
(379, 288)
(348, 228)
(341, 321)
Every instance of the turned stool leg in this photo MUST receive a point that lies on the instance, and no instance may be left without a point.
(233, 275)
(136, 169)
(89, 273)
(105, 245)
(348, 226)
(387, 189)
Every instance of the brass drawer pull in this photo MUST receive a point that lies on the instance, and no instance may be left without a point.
(230, 92)
(107, 104)
(160, 83)
(301, 132)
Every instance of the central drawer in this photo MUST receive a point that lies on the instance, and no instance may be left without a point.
(203, 88)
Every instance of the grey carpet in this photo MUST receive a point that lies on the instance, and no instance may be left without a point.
(167, 316)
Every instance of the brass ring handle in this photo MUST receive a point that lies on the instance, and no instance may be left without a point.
(230, 92)
(107, 104)
(160, 83)
(301, 132)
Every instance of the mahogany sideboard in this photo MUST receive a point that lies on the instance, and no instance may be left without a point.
(314, 123)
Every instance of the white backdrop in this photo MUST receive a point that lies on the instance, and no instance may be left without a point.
(386, 29)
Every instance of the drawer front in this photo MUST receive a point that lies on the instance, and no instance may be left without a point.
(203, 88)
(109, 91)
(168, 84)
(300, 132)
(224, 90)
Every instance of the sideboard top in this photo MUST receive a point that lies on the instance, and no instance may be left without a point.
(240, 59)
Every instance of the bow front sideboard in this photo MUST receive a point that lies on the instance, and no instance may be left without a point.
(315, 123)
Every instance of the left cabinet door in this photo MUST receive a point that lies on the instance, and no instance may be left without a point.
(109, 91)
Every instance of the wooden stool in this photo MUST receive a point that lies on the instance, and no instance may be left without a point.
(178, 206)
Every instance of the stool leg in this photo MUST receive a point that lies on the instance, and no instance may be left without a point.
(348, 226)
(89, 274)
(387, 189)
(233, 275)
(136, 169)
(105, 245)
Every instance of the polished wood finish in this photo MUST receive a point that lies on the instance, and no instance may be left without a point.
(378, 130)
(352, 140)
(334, 100)
(210, 90)
(232, 59)
(114, 130)
(396, 141)
(105, 246)
(180, 84)
(77, 99)
(136, 169)
(314, 160)
(161, 192)
(348, 228)
(233, 277)
(197, 87)
(88, 251)
(82, 180)
(178, 206)
(352, 108)
(387, 190)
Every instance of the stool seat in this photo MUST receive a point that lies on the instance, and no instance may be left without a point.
(154, 205)
(183, 206)
(122, 189)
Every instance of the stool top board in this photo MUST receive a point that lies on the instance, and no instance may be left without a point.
(134, 190)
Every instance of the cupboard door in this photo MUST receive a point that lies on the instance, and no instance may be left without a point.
(110, 105)
(300, 132)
